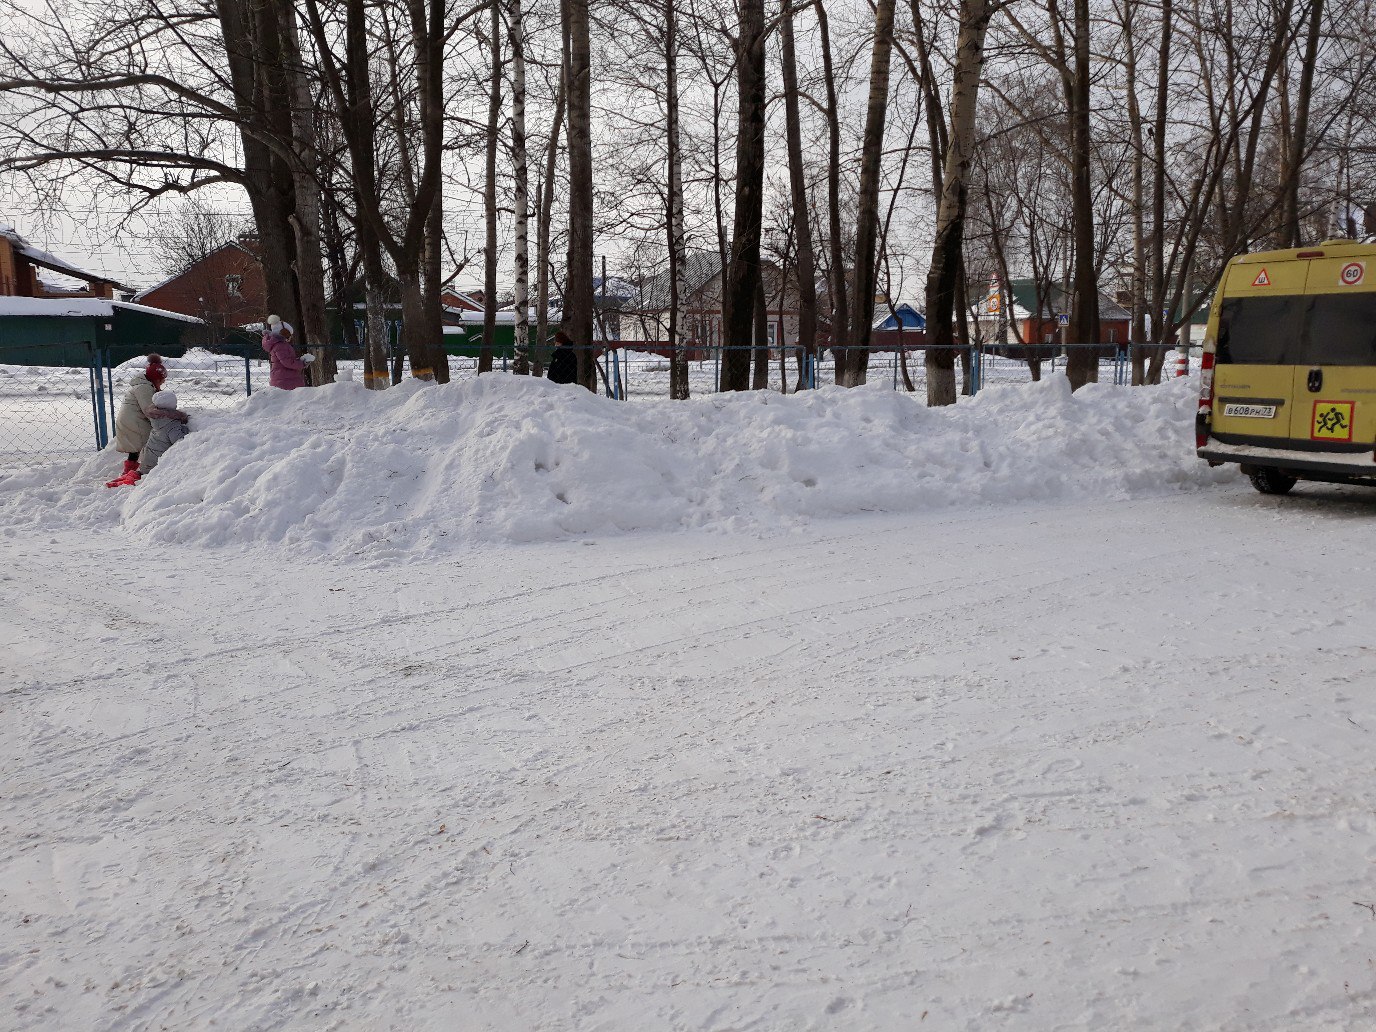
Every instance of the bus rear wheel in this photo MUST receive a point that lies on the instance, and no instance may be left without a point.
(1269, 480)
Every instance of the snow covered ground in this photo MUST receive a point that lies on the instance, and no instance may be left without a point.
(1033, 722)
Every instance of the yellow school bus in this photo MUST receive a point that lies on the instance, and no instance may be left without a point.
(1289, 368)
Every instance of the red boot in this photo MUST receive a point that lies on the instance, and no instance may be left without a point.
(129, 477)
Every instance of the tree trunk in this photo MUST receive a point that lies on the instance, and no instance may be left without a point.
(867, 222)
(759, 377)
(945, 270)
(267, 180)
(432, 285)
(578, 296)
(1082, 363)
(743, 275)
(1297, 145)
(678, 258)
(494, 112)
(305, 219)
(352, 88)
(1138, 284)
(546, 216)
(806, 267)
(1157, 287)
(963, 332)
(376, 375)
(840, 323)
(521, 345)
(413, 322)
(427, 339)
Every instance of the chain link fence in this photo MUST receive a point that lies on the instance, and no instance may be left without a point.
(61, 411)
(629, 370)
(54, 411)
(44, 410)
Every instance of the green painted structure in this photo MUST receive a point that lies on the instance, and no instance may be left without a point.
(463, 336)
(62, 332)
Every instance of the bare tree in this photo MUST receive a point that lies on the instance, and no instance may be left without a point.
(494, 111)
(578, 292)
(742, 278)
(805, 268)
(867, 225)
(946, 271)
(519, 161)
(678, 258)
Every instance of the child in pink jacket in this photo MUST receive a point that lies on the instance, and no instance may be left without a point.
(287, 370)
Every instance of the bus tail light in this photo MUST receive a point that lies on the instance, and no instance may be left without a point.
(1206, 399)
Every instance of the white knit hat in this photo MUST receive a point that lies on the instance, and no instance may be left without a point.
(165, 400)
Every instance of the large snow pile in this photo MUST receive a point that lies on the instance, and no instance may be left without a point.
(420, 469)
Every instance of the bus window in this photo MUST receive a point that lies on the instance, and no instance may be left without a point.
(1341, 330)
(1261, 330)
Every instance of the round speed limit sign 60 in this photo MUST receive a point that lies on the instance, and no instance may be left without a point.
(1353, 273)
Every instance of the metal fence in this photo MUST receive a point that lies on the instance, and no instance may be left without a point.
(51, 411)
(625, 372)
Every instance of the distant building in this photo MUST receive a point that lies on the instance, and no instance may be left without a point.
(224, 288)
(613, 301)
(70, 331)
(903, 315)
(646, 316)
(1040, 316)
(46, 324)
(19, 276)
(460, 301)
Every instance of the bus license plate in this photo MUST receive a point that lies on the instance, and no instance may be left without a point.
(1250, 411)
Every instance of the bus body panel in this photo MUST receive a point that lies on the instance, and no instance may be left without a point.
(1293, 340)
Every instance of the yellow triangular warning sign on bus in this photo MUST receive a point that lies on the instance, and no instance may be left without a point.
(1262, 279)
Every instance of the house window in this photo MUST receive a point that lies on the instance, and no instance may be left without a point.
(1113, 336)
(233, 285)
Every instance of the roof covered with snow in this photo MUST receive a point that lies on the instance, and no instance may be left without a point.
(904, 315)
(1058, 302)
(48, 261)
(79, 308)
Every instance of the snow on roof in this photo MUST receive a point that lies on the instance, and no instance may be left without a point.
(465, 299)
(504, 317)
(149, 310)
(79, 308)
(49, 261)
(907, 315)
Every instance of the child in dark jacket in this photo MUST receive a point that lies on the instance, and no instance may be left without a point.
(563, 364)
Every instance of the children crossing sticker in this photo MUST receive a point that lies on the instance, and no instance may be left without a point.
(1332, 421)
(1352, 274)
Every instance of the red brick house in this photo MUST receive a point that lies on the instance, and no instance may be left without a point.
(225, 288)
